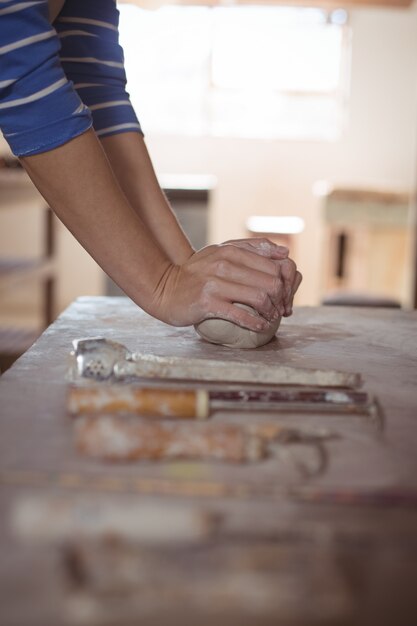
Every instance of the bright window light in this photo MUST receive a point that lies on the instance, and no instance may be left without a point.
(254, 71)
(272, 224)
(275, 49)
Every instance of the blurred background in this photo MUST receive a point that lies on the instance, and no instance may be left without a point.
(293, 120)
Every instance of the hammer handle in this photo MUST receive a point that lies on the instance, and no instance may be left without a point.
(116, 399)
(198, 403)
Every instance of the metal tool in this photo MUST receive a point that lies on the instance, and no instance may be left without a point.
(101, 359)
(122, 439)
(201, 403)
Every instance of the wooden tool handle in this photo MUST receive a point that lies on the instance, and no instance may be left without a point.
(128, 438)
(193, 404)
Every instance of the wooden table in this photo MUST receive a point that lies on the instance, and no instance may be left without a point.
(298, 542)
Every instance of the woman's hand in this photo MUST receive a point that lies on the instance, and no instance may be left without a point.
(253, 272)
(286, 267)
(291, 279)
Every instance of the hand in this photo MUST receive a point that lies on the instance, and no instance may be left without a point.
(291, 279)
(214, 278)
(286, 268)
(262, 246)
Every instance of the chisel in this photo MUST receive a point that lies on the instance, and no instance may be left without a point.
(201, 403)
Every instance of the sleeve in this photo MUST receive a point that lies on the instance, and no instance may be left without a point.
(93, 59)
(39, 108)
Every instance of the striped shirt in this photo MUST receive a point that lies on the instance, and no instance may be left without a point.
(58, 80)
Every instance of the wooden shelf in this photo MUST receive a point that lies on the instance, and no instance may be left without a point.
(17, 193)
(14, 271)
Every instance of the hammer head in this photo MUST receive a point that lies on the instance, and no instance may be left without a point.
(95, 358)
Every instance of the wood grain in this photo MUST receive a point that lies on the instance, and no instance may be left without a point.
(364, 545)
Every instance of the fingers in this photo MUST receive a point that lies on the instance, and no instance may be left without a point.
(214, 279)
(241, 265)
(262, 246)
(237, 315)
(288, 273)
(270, 284)
(297, 282)
(244, 256)
(254, 296)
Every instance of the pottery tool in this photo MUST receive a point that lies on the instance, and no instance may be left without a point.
(115, 438)
(129, 438)
(44, 518)
(101, 359)
(201, 403)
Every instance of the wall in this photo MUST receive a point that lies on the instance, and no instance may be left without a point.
(276, 177)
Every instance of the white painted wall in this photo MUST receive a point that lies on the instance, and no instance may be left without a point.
(276, 177)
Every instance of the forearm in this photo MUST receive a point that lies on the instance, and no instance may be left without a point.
(78, 183)
(133, 169)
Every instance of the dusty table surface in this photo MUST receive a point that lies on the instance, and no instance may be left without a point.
(334, 561)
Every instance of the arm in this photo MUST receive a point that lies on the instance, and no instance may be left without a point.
(78, 183)
(132, 166)
(133, 169)
(39, 109)
(46, 125)
(93, 60)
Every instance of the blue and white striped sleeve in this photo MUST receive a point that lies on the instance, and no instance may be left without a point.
(93, 59)
(39, 108)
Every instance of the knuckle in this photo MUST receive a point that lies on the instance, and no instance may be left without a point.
(207, 300)
(222, 267)
(261, 299)
(212, 249)
(228, 251)
(209, 287)
(276, 285)
(288, 268)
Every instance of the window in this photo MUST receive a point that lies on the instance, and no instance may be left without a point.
(249, 71)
